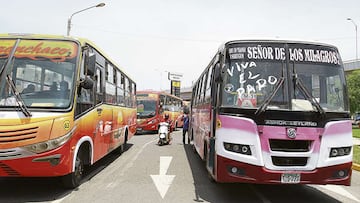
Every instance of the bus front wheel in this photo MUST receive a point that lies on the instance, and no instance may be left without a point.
(73, 179)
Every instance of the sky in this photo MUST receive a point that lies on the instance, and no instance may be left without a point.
(150, 38)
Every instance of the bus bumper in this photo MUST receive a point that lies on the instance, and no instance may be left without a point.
(146, 128)
(232, 171)
(49, 164)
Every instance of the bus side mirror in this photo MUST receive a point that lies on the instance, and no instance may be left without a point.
(90, 64)
(87, 83)
(217, 73)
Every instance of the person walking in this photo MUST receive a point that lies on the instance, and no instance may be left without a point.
(185, 119)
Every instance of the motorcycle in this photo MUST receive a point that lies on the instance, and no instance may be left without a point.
(164, 134)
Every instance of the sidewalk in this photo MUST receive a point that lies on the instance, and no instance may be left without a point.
(356, 141)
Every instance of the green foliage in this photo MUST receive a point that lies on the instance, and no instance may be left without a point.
(356, 132)
(356, 154)
(353, 83)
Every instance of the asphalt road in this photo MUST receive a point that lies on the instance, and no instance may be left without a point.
(146, 172)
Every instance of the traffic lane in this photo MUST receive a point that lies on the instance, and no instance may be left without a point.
(124, 180)
(31, 189)
(129, 178)
(48, 189)
(344, 193)
(206, 191)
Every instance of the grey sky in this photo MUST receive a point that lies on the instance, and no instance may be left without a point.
(149, 37)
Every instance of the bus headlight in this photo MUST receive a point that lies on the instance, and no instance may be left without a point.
(49, 145)
(238, 148)
(151, 122)
(339, 151)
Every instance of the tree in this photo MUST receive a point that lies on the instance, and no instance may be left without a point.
(353, 82)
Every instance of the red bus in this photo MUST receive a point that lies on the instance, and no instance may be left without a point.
(273, 112)
(63, 104)
(151, 108)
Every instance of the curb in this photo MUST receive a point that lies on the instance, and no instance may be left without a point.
(356, 167)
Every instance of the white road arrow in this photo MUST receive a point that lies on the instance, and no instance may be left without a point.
(163, 181)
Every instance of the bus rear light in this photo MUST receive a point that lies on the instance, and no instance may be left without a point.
(238, 148)
(339, 151)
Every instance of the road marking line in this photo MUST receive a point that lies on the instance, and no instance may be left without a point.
(127, 166)
(339, 190)
(131, 162)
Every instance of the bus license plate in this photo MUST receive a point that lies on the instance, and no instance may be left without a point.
(290, 178)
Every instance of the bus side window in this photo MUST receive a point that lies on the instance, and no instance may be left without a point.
(99, 85)
(127, 92)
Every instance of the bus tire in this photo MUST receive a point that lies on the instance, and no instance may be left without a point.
(205, 154)
(73, 180)
(206, 163)
(193, 144)
(120, 149)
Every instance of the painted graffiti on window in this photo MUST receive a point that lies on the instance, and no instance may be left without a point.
(246, 82)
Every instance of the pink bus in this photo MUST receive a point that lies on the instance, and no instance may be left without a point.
(273, 112)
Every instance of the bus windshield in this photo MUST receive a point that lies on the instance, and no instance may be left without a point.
(146, 108)
(40, 73)
(269, 80)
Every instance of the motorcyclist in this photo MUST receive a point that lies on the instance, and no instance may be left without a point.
(169, 121)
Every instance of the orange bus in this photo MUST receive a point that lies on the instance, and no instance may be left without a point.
(151, 108)
(63, 106)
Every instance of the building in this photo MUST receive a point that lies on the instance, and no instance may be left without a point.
(185, 93)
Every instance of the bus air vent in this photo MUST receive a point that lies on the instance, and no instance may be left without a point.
(7, 136)
(290, 145)
(289, 161)
(8, 170)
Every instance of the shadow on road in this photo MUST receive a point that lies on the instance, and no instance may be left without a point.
(208, 191)
(47, 189)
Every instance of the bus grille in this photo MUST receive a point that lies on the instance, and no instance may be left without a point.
(290, 145)
(18, 135)
(289, 161)
(8, 170)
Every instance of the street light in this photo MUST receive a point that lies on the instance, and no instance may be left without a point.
(69, 20)
(355, 36)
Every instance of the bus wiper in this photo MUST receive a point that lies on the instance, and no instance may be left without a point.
(11, 83)
(299, 83)
(19, 100)
(270, 97)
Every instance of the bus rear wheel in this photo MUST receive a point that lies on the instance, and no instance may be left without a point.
(73, 179)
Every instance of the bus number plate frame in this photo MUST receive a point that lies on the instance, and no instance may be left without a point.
(290, 178)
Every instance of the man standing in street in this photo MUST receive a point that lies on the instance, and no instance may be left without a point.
(186, 126)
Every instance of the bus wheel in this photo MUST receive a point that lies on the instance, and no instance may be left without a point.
(210, 177)
(120, 149)
(206, 162)
(73, 179)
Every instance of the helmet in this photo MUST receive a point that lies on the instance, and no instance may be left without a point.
(166, 116)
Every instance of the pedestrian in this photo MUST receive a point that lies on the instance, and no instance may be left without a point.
(185, 119)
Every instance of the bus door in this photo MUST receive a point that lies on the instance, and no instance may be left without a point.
(103, 118)
(213, 88)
